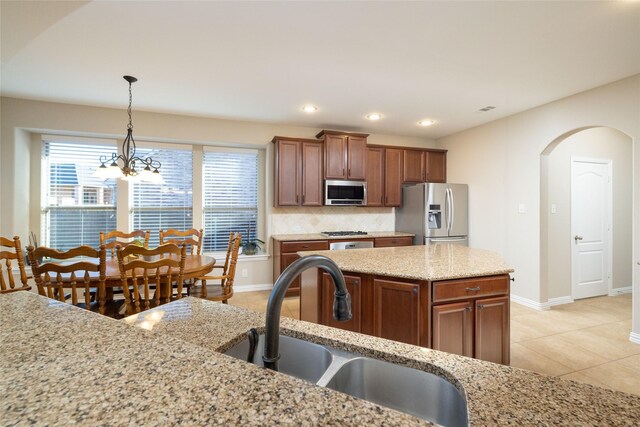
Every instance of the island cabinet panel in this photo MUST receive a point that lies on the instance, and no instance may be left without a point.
(460, 289)
(396, 310)
(453, 328)
(298, 172)
(393, 177)
(354, 286)
(356, 157)
(413, 169)
(492, 330)
(375, 176)
(335, 166)
(436, 166)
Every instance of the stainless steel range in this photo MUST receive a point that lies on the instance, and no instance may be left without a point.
(355, 244)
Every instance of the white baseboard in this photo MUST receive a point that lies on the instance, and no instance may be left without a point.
(530, 303)
(252, 288)
(559, 301)
(619, 291)
(633, 337)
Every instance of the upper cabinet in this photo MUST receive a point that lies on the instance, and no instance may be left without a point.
(384, 176)
(298, 172)
(345, 155)
(424, 166)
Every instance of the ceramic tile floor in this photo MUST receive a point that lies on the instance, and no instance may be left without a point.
(586, 341)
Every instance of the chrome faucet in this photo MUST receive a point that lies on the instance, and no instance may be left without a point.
(341, 302)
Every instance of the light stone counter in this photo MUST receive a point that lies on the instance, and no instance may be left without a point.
(61, 365)
(434, 262)
(318, 236)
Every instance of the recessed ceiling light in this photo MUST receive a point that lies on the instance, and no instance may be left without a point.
(309, 108)
(426, 122)
(487, 108)
(374, 116)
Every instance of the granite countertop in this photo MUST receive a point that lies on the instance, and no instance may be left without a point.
(318, 236)
(61, 364)
(433, 262)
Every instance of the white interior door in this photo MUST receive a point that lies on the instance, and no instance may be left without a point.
(590, 227)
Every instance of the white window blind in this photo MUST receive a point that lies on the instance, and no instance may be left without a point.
(75, 205)
(230, 196)
(169, 205)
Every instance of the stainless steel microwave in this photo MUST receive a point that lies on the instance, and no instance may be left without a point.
(345, 193)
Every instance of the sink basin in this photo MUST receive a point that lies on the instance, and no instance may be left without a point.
(408, 390)
(298, 358)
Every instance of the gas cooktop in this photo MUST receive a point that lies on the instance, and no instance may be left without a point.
(343, 233)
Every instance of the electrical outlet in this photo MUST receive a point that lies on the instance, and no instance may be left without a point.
(521, 208)
(553, 208)
(245, 272)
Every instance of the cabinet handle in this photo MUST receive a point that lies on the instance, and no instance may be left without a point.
(513, 279)
(305, 247)
(386, 199)
(349, 171)
(296, 198)
(380, 199)
(303, 199)
(480, 306)
(415, 290)
(467, 309)
(356, 282)
(342, 171)
(474, 289)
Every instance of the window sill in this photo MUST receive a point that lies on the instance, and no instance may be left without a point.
(241, 257)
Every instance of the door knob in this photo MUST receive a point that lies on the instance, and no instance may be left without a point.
(576, 238)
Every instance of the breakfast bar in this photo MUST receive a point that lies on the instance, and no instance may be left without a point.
(62, 365)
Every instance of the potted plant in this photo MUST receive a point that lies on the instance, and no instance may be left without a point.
(251, 246)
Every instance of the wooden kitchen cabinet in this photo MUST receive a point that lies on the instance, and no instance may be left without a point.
(285, 253)
(326, 312)
(298, 172)
(393, 177)
(387, 242)
(469, 323)
(375, 176)
(345, 155)
(396, 310)
(384, 176)
(413, 169)
(436, 166)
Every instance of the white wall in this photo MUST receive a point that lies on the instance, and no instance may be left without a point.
(600, 143)
(22, 120)
(501, 162)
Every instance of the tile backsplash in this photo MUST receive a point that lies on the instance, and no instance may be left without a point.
(301, 220)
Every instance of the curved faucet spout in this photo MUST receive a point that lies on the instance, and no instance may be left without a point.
(341, 302)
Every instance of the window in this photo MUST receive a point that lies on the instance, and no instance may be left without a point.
(230, 202)
(75, 205)
(168, 205)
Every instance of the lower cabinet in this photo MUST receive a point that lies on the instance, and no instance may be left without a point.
(476, 328)
(396, 310)
(326, 312)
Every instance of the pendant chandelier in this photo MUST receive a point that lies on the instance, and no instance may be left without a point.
(150, 168)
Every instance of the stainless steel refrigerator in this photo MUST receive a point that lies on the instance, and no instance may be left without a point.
(435, 213)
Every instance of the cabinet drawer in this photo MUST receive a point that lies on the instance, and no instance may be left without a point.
(385, 242)
(307, 245)
(450, 290)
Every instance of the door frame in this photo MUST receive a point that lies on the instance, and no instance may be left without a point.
(609, 242)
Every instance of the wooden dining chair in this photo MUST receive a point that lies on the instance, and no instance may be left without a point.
(74, 276)
(7, 256)
(192, 237)
(117, 237)
(223, 289)
(154, 270)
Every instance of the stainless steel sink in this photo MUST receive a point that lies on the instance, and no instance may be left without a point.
(415, 392)
(298, 358)
(408, 390)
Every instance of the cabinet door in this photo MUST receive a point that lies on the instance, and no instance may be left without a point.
(413, 166)
(396, 310)
(357, 157)
(492, 330)
(312, 174)
(328, 289)
(375, 176)
(287, 259)
(436, 166)
(335, 150)
(288, 173)
(393, 177)
(453, 328)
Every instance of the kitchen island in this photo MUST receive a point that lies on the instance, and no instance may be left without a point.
(447, 297)
(62, 365)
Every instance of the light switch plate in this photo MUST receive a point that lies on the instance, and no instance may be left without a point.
(521, 208)
(553, 208)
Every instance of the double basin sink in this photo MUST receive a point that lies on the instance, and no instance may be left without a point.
(405, 389)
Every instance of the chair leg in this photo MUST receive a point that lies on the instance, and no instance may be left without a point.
(224, 301)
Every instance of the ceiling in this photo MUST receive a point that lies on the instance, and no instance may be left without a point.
(261, 61)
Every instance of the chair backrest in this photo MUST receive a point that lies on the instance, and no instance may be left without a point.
(191, 237)
(165, 265)
(232, 237)
(117, 237)
(9, 284)
(66, 274)
(230, 273)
